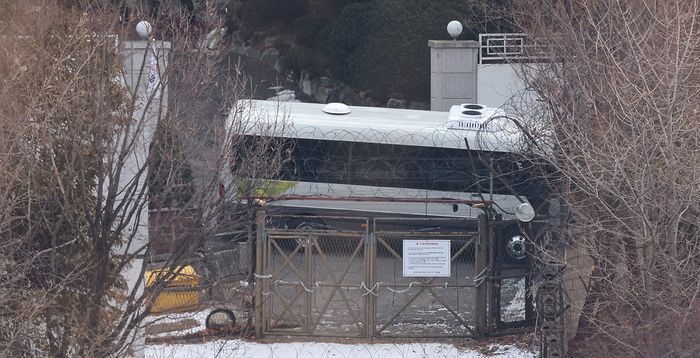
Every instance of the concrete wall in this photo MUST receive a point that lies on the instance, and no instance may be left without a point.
(498, 85)
(453, 73)
(457, 77)
(138, 66)
(140, 62)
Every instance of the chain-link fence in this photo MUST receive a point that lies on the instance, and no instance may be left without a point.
(313, 275)
(410, 306)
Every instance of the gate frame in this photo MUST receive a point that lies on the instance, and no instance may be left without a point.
(266, 242)
(486, 312)
(425, 286)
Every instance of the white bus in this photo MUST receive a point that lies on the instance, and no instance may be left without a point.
(381, 161)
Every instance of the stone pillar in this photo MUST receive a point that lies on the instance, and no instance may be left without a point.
(144, 67)
(453, 73)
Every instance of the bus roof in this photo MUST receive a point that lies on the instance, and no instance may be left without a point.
(366, 124)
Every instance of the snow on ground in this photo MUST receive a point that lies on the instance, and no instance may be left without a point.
(514, 307)
(245, 349)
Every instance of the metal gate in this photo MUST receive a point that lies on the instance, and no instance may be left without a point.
(344, 277)
(310, 277)
(423, 306)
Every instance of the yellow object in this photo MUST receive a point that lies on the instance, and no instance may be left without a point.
(265, 188)
(181, 291)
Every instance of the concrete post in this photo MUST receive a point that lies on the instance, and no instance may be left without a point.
(453, 73)
(144, 66)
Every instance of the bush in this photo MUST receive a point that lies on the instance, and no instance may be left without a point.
(259, 12)
(306, 30)
(383, 45)
(348, 34)
(300, 58)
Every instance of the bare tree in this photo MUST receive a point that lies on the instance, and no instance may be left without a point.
(618, 88)
(76, 127)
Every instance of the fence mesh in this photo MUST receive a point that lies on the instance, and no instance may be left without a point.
(424, 306)
(315, 273)
(343, 276)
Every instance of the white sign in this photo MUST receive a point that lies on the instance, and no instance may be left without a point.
(154, 74)
(426, 258)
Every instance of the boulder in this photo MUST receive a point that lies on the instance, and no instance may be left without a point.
(273, 41)
(278, 66)
(270, 56)
(284, 96)
(306, 83)
(324, 82)
(366, 98)
(396, 103)
(322, 93)
(347, 94)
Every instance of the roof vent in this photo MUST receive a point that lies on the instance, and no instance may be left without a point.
(473, 117)
(336, 108)
(477, 107)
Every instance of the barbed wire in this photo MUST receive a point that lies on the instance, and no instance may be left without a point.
(410, 163)
(362, 286)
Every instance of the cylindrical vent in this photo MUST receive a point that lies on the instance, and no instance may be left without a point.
(471, 113)
(473, 106)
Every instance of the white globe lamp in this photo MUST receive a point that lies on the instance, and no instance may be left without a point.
(143, 29)
(525, 212)
(454, 28)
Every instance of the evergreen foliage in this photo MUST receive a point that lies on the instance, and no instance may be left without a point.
(266, 11)
(383, 45)
(349, 34)
(301, 58)
(306, 30)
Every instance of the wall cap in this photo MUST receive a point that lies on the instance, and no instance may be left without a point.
(453, 44)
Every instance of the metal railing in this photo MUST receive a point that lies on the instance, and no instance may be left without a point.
(509, 47)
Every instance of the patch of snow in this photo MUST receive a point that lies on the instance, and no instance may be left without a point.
(514, 310)
(244, 349)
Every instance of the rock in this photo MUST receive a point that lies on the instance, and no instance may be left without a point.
(306, 83)
(324, 81)
(272, 41)
(366, 95)
(397, 95)
(284, 96)
(423, 106)
(257, 37)
(396, 103)
(270, 56)
(347, 95)
(245, 49)
(334, 96)
(278, 66)
(322, 93)
(238, 49)
(366, 98)
(213, 38)
(252, 52)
